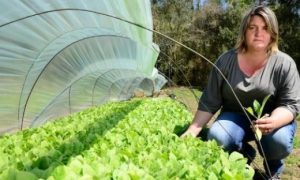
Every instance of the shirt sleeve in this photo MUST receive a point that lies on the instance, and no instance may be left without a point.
(211, 99)
(289, 91)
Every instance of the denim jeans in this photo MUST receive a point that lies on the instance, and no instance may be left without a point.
(232, 130)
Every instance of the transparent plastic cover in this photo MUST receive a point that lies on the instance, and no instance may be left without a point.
(61, 56)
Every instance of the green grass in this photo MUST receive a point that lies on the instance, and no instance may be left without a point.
(297, 142)
(189, 97)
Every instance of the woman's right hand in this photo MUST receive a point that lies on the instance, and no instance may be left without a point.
(200, 120)
(191, 131)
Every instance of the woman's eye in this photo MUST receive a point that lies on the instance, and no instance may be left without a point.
(251, 27)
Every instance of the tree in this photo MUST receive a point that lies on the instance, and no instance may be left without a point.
(289, 30)
(210, 32)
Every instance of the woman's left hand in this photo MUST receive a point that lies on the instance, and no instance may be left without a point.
(265, 124)
(280, 116)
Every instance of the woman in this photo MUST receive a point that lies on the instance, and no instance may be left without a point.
(254, 69)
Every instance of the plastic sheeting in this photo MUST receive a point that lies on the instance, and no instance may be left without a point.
(61, 56)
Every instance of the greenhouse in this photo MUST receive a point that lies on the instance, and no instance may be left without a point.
(60, 57)
(67, 71)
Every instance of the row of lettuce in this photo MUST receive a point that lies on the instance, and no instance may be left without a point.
(125, 140)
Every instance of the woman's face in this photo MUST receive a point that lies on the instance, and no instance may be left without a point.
(257, 35)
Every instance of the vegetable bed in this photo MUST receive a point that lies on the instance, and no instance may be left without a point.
(122, 140)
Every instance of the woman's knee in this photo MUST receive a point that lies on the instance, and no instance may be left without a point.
(228, 130)
(277, 145)
(222, 137)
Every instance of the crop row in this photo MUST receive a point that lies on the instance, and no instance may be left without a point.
(125, 140)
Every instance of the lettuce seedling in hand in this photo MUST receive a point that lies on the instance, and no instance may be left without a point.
(256, 112)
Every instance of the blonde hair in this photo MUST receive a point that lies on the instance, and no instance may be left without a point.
(271, 21)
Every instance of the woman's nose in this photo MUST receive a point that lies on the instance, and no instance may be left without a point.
(258, 31)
